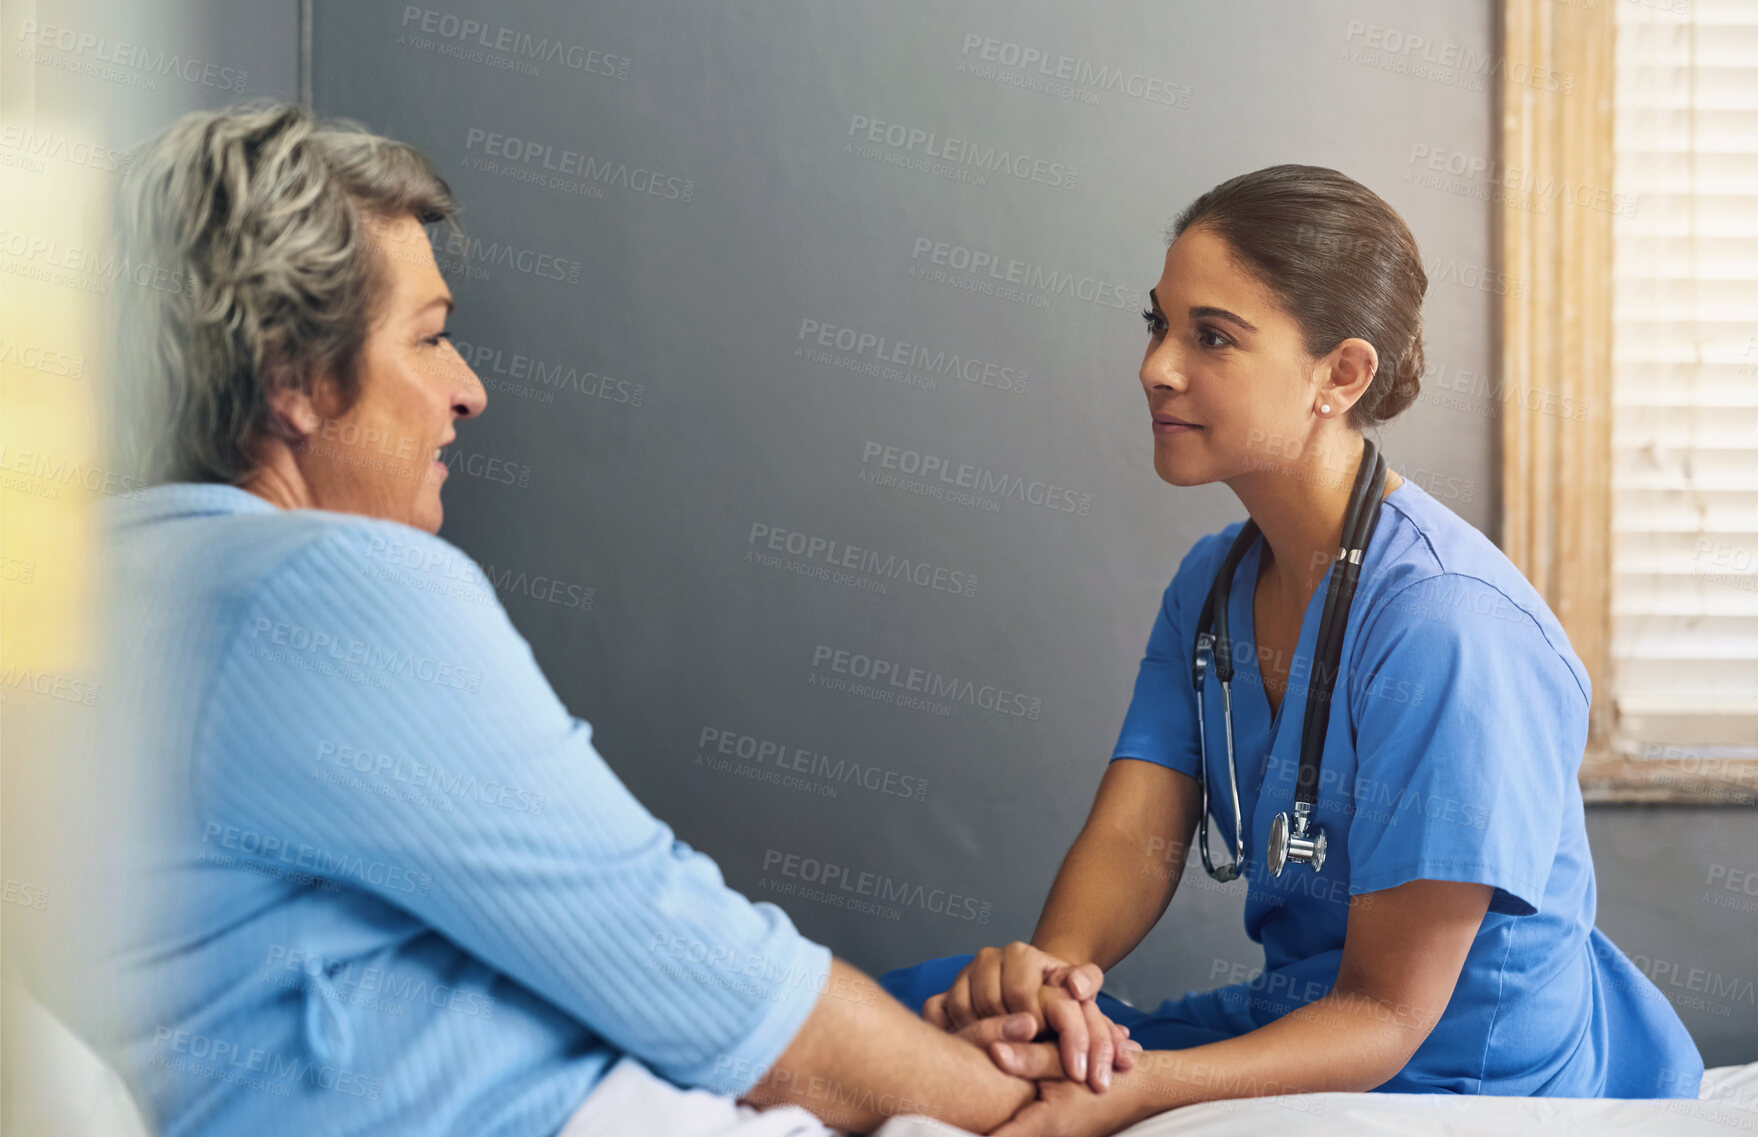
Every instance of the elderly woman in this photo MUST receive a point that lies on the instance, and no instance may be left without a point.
(386, 884)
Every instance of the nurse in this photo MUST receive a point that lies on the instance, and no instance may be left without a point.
(1447, 942)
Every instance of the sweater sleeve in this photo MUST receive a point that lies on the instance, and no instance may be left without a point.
(379, 722)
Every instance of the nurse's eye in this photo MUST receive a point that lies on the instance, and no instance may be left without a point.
(1156, 322)
(1205, 331)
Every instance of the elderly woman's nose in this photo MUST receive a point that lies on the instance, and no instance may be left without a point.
(471, 396)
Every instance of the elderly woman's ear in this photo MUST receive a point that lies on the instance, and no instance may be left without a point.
(294, 410)
(296, 404)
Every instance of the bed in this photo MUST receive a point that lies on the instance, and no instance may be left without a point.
(1726, 1105)
(90, 1099)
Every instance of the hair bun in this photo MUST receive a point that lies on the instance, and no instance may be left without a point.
(1405, 380)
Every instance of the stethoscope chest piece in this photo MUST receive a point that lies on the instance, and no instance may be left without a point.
(1294, 842)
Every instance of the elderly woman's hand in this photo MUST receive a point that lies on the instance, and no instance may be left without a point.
(1072, 1109)
(1060, 997)
(1084, 1044)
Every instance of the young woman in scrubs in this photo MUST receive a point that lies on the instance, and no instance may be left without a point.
(1448, 942)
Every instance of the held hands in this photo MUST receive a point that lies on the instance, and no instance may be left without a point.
(1063, 1108)
(1060, 999)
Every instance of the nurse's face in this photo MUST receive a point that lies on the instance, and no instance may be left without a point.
(1230, 387)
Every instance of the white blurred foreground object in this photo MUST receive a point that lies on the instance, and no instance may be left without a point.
(63, 1087)
(634, 1102)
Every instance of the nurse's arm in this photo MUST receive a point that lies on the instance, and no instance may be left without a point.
(1403, 951)
(1122, 870)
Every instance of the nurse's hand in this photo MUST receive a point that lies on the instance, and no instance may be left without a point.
(1091, 1044)
(999, 981)
(1088, 1044)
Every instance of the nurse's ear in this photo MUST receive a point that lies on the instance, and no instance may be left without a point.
(1343, 377)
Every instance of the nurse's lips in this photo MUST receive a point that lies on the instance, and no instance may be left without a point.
(1171, 424)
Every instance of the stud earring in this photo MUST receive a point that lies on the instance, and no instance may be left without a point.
(1324, 408)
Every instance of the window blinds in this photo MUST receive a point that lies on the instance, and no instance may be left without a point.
(1684, 621)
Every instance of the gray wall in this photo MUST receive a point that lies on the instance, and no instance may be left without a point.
(124, 69)
(670, 210)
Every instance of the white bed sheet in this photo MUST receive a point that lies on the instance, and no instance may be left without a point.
(91, 1100)
(1727, 1106)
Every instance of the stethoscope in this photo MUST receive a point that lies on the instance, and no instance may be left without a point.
(1300, 839)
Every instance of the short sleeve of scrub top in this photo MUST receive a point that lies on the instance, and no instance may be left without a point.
(1160, 725)
(1466, 716)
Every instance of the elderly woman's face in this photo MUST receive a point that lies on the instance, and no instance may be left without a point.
(381, 456)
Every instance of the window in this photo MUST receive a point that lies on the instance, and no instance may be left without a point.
(1684, 481)
(1636, 517)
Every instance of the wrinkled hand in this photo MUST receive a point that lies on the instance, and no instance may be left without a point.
(1000, 1028)
(1059, 996)
(1066, 1108)
(1072, 1109)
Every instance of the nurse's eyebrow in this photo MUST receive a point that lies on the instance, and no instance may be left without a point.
(1201, 311)
(1221, 314)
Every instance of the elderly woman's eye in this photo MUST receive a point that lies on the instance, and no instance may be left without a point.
(433, 340)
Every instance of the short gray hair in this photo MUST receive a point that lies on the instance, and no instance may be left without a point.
(256, 223)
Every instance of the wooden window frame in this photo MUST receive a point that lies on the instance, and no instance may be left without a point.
(1556, 339)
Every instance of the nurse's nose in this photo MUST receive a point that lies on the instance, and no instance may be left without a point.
(1162, 368)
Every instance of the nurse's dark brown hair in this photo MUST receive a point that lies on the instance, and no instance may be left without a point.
(1339, 259)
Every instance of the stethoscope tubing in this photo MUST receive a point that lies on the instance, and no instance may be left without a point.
(1370, 485)
(1361, 519)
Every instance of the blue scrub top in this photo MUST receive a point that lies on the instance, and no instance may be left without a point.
(1458, 723)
